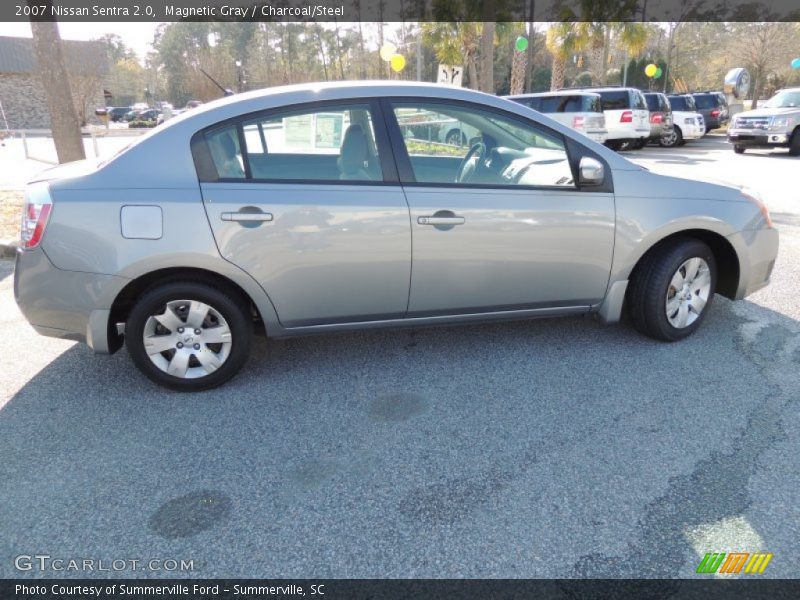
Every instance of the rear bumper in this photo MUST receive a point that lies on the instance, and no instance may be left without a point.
(757, 250)
(65, 304)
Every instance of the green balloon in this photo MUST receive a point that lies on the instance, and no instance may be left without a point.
(658, 73)
(521, 44)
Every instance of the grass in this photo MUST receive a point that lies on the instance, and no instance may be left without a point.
(10, 214)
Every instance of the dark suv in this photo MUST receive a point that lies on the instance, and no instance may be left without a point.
(714, 108)
(660, 115)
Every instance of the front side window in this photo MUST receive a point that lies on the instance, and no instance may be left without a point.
(324, 144)
(500, 150)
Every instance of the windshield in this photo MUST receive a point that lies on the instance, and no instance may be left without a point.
(787, 99)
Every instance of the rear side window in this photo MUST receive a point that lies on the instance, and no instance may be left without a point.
(328, 143)
(562, 104)
(638, 100)
(615, 99)
(592, 104)
(534, 103)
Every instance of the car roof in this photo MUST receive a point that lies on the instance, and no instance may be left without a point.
(565, 92)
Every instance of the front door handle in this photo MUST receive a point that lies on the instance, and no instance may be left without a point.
(434, 220)
(246, 216)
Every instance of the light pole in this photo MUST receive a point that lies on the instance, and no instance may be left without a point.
(239, 76)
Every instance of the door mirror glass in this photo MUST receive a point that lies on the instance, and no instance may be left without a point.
(592, 171)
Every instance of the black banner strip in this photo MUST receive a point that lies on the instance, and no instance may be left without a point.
(400, 589)
(400, 10)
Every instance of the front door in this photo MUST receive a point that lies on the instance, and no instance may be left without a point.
(500, 224)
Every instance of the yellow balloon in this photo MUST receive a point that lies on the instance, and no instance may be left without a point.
(398, 63)
(650, 70)
(387, 51)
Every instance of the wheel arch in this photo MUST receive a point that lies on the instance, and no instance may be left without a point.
(126, 297)
(728, 265)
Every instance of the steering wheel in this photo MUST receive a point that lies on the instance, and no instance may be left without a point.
(466, 170)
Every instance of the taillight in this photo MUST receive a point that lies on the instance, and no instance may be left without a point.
(577, 122)
(627, 117)
(715, 113)
(35, 215)
(656, 118)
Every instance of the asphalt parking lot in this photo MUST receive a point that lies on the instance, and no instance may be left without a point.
(551, 448)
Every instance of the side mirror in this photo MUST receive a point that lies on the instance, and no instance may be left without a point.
(591, 171)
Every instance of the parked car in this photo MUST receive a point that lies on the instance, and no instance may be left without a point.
(687, 123)
(582, 111)
(774, 124)
(660, 115)
(263, 211)
(116, 113)
(627, 117)
(714, 108)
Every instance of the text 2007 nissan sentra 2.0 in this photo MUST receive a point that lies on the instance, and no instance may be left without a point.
(317, 208)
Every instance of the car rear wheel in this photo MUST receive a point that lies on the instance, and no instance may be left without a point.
(188, 336)
(671, 139)
(794, 143)
(672, 289)
(738, 149)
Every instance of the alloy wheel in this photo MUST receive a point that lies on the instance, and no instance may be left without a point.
(688, 292)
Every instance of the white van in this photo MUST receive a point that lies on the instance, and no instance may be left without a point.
(581, 111)
(627, 117)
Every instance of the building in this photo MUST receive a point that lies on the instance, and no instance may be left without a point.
(21, 92)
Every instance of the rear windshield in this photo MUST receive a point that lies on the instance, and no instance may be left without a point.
(706, 100)
(656, 103)
(563, 104)
(615, 99)
(685, 103)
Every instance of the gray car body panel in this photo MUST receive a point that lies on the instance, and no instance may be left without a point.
(354, 256)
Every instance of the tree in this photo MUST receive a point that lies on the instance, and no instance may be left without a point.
(632, 38)
(562, 41)
(455, 44)
(55, 81)
(763, 48)
(487, 48)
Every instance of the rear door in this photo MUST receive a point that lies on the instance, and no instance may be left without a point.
(306, 200)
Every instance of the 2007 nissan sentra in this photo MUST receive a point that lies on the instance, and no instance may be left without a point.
(329, 207)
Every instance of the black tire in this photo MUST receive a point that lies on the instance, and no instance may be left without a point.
(650, 282)
(672, 141)
(639, 144)
(738, 149)
(614, 145)
(231, 307)
(794, 143)
(455, 138)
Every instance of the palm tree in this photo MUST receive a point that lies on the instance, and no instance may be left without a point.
(632, 38)
(562, 41)
(455, 44)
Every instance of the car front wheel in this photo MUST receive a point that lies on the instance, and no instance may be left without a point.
(672, 289)
(738, 149)
(188, 336)
(794, 143)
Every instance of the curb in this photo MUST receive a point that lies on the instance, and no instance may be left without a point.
(8, 249)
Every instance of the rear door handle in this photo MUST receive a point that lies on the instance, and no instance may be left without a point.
(434, 220)
(240, 216)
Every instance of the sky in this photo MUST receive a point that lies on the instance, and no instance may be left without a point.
(138, 36)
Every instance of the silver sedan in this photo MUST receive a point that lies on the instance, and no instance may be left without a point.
(327, 207)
